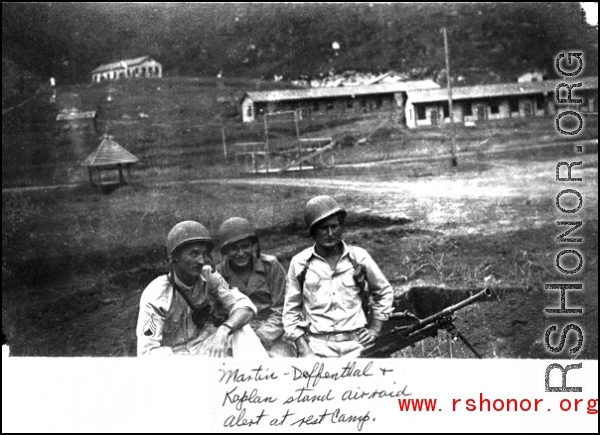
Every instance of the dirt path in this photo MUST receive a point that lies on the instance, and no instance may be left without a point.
(319, 182)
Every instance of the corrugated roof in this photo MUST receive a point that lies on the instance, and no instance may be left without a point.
(109, 153)
(121, 64)
(498, 90)
(349, 91)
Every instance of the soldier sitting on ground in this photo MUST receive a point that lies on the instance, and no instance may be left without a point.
(175, 309)
(260, 277)
(326, 301)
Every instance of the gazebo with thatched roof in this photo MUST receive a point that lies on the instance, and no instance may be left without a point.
(107, 157)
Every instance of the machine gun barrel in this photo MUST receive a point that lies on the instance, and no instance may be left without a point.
(447, 311)
(404, 336)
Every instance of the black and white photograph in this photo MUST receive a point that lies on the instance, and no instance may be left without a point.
(321, 207)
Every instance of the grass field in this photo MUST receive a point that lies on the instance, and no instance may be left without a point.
(76, 260)
(182, 136)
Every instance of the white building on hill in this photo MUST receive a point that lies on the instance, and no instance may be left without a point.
(138, 67)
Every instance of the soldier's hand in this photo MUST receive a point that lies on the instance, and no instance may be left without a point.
(216, 345)
(207, 270)
(367, 336)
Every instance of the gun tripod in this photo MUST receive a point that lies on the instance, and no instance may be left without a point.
(447, 323)
(404, 336)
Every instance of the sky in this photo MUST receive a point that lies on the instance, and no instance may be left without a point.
(591, 12)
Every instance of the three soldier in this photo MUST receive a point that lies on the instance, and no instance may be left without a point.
(332, 302)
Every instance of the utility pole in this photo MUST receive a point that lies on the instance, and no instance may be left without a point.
(453, 149)
(267, 159)
(223, 137)
(298, 137)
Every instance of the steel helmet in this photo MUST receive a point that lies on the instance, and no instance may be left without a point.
(235, 229)
(187, 232)
(319, 208)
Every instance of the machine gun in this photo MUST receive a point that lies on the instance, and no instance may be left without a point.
(401, 337)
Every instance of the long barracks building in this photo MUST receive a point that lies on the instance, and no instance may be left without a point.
(334, 102)
(422, 103)
(497, 101)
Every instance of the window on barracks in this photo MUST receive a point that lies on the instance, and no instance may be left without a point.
(540, 101)
(329, 105)
(379, 103)
(421, 114)
(316, 106)
(494, 108)
(349, 104)
(446, 110)
(468, 109)
(514, 104)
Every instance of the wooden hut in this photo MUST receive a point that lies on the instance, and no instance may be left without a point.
(109, 156)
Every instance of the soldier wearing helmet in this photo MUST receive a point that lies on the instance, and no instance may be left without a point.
(260, 277)
(336, 297)
(175, 309)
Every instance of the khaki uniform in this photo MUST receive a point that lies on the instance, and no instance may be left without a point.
(165, 319)
(328, 307)
(265, 288)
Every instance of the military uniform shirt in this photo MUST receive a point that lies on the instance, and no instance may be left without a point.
(331, 301)
(165, 318)
(265, 288)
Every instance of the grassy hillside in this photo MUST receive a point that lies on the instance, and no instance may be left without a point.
(181, 127)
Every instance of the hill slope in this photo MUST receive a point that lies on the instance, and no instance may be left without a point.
(261, 40)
